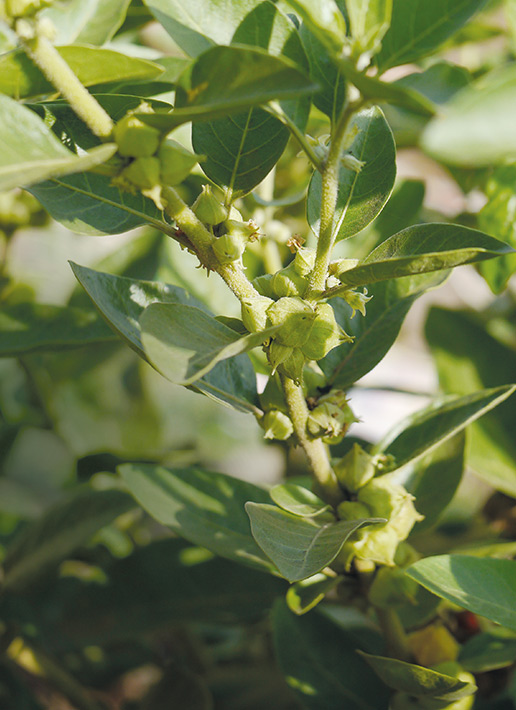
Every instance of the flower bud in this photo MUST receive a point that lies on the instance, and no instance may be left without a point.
(356, 300)
(142, 173)
(277, 353)
(277, 425)
(288, 282)
(295, 318)
(304, 261)
(392, 587)
(355, 469)
(136, 139)
(263, 284)
(207, 207)
(254, 313)
(176, 162)
(325, 335)
(293, 365)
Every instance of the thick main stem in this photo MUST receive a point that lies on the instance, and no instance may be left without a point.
(327, 484)
(47, 58)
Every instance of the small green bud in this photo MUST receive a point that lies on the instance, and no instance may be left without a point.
(304, 261)
(296, 319)
(142, 173)
(293, 366)
(208, 209)
(254, 313)
(247, 231)
(277, 353)
(277, 425)
(326, 334)
(288, 282)
(392, 587)
(341, 265)
(229, 248)
(357, 301)
(355, 469)
(263, 284)
(176, 162)
(136, 139)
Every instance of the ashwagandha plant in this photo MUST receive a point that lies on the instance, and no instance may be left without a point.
(317, 313)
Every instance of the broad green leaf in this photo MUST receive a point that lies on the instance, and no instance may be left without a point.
(325, 20)
(297, 500)
(483, 586)
(434, 478)
(370, 20)
(362, 194)
(424, 248)
(321, 665)
(299, 547)
(240, 150)
(417, 680)
(469, 358)
(29, 327)
(401, 210)
(25, 161)
(61, 530)
(122, 301)
(204, 507)
(419, 433)
(229, 79)
(418, 27)
(304, 595)
(498, 217)
(184, 343)
(21, 78)
(487, 652)
(375, 333)
(86, 21)
(475, 128)
(331, 95)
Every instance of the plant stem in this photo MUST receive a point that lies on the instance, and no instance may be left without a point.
(327, 484)
(330, 189)
(394, 634)
(47, 58)
(275, 108)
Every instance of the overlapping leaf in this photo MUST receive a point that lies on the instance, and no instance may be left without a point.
(86, 21)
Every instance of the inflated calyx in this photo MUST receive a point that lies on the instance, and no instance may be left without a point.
(331, 418)
(277, 425)
(176, 162)
(325, 334)
(207, 208)
(135, 139)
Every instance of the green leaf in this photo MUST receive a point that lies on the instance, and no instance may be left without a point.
(299, 547)
(370, 20)
(21, 78)
(297, 500)
(434, 478)
(417, 680)
(419, 27)
(24, 161)
(487, 652)
(29, 327)
(184, 343)
(86, 21)
(475, 127)
(240, 150)
(204, 507)
(59, 532)
(483, 586)
(469, 358)
(227, 80)
(88, 204)
(324, 19)
(304, 595)
(122, 301)
(421, 432)
(363, 194)
(375, 333)
(321, 665)
(401, 210)
(424, 248)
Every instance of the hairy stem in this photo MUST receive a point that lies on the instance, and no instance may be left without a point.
(394, 634)
(330, 188)
(47, 58)
(316, 452)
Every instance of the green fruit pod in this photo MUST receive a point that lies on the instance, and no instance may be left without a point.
(136, 139)
(142, 173)
(229, 248)
(295, 318)
(176, 162)
(207, 207)
(254, 313)
(277, 425)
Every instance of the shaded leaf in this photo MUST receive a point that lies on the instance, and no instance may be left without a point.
(28, 327)
(370, 20)
(297, 500)
(299, 547)
(418, 681)
(204, 507)
(61, 530)
(421, 249)
(421, 432)
(304, 595)
(21, 78)
(487, 652)
(418, 27)
(361, 194)
(330, 96)
(321, 665)
(90, 21)
(324, 19)
(483, 586)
